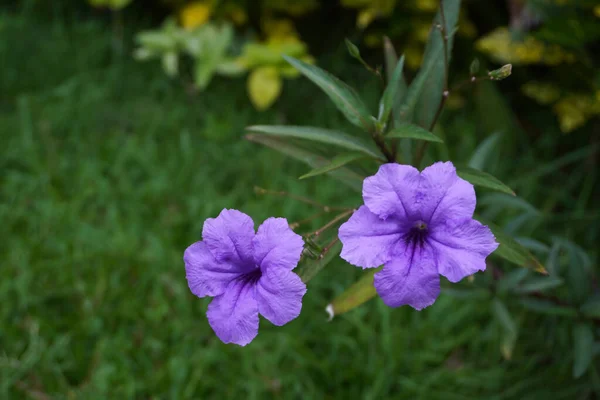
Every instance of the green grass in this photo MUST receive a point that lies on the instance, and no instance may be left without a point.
(107, 172)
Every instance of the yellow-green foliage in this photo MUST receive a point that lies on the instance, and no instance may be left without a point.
(559, 44)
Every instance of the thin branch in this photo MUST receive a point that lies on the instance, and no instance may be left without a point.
(331, 223)
(328, 247)
(259, 190)
(296, 224)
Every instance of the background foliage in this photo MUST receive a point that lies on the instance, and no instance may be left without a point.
(108, 169)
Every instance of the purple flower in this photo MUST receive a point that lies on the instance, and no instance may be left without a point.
(247, 273)
(418, 225)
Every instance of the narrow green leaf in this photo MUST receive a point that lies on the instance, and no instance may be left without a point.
(343, 96)
(308, 269)
(547, 307)
(509, 337)
(353, 50)
(503, 316)
(583, 341)
(410, 131)
(415, 89)
(391, 60)
(482, 153)
(357, 294)
(513, 251)
(512, 279)
(431, 94)
(474, 67)
(344, 175)
(328, 136)
(483, 179)
(539, 284)
(591, 308)
(336, 162)
(389, 94)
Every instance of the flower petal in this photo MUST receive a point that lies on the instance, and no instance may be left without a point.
(205, 275)
(234, 314)
(276, 245)
(410, 279)
(369, 241)
(279, 295)
(460, 248)
(444, 195)
(229, 237)
(391, 190)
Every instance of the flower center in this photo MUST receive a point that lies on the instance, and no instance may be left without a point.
(417, 234)
(252, 276)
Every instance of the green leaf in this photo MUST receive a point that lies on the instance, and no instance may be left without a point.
(431, 94)
(410, 131)
(170, 63)
(583, 340)
(344, 175)
(264, 87)
(503, 315)
(328, 136)
(406, 110)
(508, 325)
(511, 280)
(483, 152)
(547, 307)
(513, 251)
(539, 284)
(343, 96)
(310, 268)
(483, 179)
(353, 50)
(591, 308)
(337, 162)
(357, 294)
(391, 61)
(389, 95)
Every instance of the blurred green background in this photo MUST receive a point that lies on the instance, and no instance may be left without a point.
(108, 169)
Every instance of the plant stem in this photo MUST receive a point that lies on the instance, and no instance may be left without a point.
(380, 142)
(328, 247)
(296, 224)
(259, 190)
(331, 223)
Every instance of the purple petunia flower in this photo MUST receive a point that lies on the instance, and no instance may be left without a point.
(246, 273)
(418, 225)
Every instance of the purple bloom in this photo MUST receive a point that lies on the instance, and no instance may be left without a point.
(418, 225)
(247, 273)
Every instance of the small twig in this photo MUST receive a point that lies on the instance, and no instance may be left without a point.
(471, 80)
(296, 224)
(328, 247)
(259, 190)
(330, 223)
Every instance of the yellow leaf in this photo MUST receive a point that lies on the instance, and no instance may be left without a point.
(264, 86)
(195, 15)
